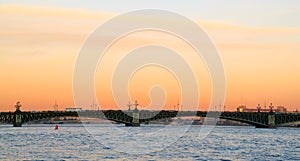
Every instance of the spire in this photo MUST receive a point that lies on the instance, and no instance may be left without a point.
(55, 106)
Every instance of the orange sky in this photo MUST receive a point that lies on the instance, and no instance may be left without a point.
(39, 47)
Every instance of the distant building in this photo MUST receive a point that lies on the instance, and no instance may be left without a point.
(245, 109)
(73, 109)
(280, 109)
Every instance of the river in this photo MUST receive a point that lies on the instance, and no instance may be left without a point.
(148, 142)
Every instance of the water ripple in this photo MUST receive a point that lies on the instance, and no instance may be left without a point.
(75, 143)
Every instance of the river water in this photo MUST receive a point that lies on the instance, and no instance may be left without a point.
(148, 142)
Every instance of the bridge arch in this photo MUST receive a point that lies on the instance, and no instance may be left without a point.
(263, 119)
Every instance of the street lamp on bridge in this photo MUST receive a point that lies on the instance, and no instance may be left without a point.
(18, 106)
(129, 105)
(135, 105)
(271, 107)
(258, 108)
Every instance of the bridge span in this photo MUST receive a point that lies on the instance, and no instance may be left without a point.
(136, 117)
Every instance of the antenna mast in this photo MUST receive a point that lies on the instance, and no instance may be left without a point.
(94, 106)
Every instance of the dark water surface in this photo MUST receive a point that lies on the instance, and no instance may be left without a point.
(149, 142)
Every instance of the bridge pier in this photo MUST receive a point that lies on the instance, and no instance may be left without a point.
(132, 124)
(17, 124)
(18, 115)
(262, 126)
(135, 116)
(271, 122)
(135, 119)
(265, 126)
(18, 119)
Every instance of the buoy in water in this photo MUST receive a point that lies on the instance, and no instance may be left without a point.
(56, 127)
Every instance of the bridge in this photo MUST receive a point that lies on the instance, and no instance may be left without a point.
(136, 117)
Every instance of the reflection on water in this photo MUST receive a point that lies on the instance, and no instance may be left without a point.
(74, 142)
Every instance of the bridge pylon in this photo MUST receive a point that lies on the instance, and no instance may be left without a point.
(18, 115)
(135, 116)
(271, 120)
(135, 121)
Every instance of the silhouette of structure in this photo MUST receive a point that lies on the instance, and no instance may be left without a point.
(136, 117)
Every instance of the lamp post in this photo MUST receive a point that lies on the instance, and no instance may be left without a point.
(129, 105)
(271, 107)
(258, 108)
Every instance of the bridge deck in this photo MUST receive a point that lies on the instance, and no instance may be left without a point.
(262, 119)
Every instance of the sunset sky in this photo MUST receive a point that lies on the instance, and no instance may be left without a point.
(258, 42)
